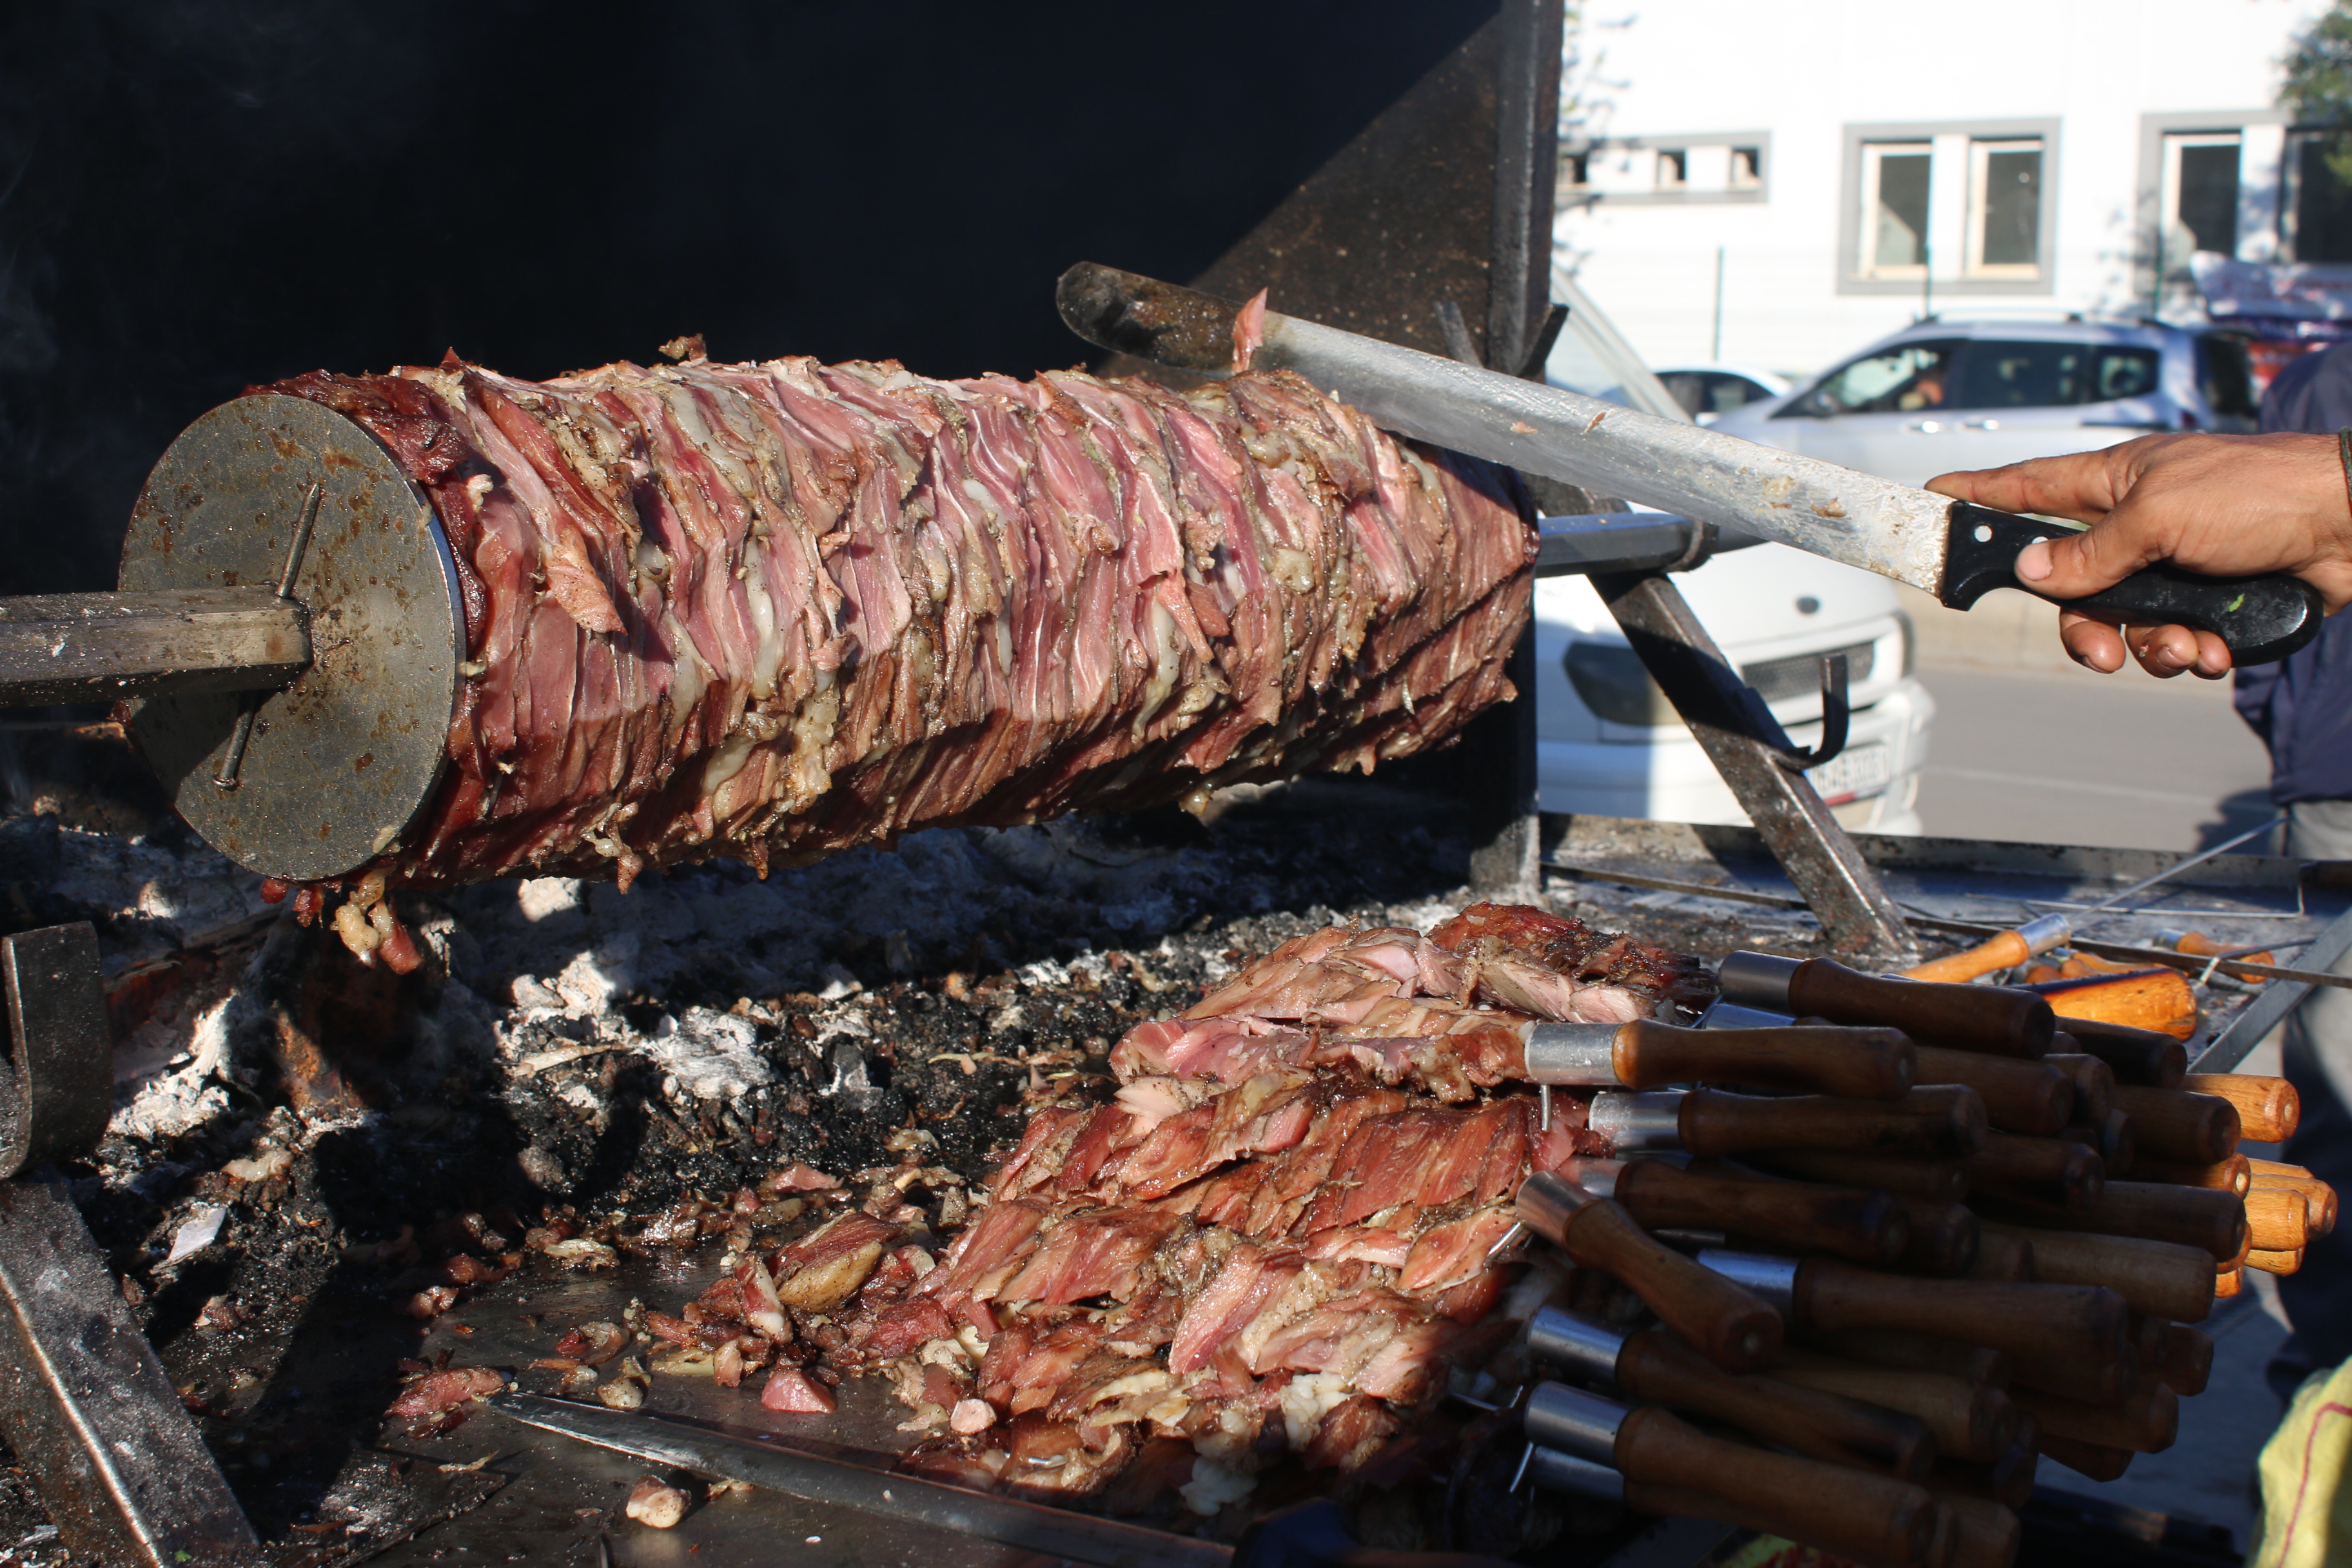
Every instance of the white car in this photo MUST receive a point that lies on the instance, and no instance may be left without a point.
(1608, 743)
(1946, 394)
(1707, 392)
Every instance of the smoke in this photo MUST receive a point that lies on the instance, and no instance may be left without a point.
(195, 196)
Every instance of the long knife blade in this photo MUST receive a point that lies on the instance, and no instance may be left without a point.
(1953, 549)
(1032, 1526)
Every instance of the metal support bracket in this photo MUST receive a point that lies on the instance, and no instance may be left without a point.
(84, 1402)
(1754, 755)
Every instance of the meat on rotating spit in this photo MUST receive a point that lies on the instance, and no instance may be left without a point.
(775, 610)
(1245, 1252)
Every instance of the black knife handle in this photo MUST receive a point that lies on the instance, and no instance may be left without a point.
(2263, 619)
(1314, 1535)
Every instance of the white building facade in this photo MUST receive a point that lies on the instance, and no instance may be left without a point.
(1777, 183)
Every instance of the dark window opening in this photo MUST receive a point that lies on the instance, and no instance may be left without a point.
(2209, 196)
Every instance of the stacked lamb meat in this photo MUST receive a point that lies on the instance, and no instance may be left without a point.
(1290, 1219)
(772, 611)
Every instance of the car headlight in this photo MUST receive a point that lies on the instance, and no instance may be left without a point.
(1615, 685)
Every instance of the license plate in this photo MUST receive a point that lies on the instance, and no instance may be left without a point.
(1850, 774)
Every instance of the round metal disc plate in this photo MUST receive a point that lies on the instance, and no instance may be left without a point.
(341, 760)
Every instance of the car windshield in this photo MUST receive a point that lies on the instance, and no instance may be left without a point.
(1900, 380)
(2043, 374)
(1712, 390)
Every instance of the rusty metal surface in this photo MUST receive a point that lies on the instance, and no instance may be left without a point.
(88, 1409)
(84, 647)
(57, 1087)
(342, 760)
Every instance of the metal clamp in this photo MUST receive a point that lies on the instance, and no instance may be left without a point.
(1837, 716)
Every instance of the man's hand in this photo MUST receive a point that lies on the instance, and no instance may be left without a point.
(2230, 506)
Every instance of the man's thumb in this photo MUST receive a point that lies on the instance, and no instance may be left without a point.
(2069, 564)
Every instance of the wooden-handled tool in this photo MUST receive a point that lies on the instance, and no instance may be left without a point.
(1947, 1120)
(2036, 1319)
(1659, 1369)
(1985, 1533)
(2193, 1217)
(1939, 1237)
(2234, 1175)
(2093, 1082)
(2143, 1057)
(2180, 1124)
(1873, 1520)
(1729, 1326)
(2162, 1278)
(1936, 1181)
(2154, 999)
(1847, 1222)
(1907, 1351)
(2197, 944)
(2277, 1219)
(2089, 1460)
(2269, 1109)
(2185, 1364)
(2038, 1169)
(1999, 1019)
(2019, 1096)
(2318, 1196)
(2146, 1422)
(1858, 1064)
(2006, 950)
(1969, 1421)
(2113, 1140)
(2007, 1481)
(2003, 1257)
(2276, 1262)
(2229, 1282)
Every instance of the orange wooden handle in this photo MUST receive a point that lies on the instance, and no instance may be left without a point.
(2019, 1096)
(1846, 1222)
(2004, 951)
(1661, 1369)
(2180, 1124)
(2269, 1109)
(2319, 1199)
(2039, 1170)
(2055, 1320)
(2143, 1057)
(1993, 1018)
(2228, 1282)
(2156, 999)
(2162, 1278)
(2278, 1219)
(1859, 1064)
(1944, 1120)
(1872, 1519)
(2276, 1262)
(1730, 1327)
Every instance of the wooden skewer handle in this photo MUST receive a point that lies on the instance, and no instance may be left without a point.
(1846, 1222)
(2181, 1124)
(2141, 1056)
(1903, 1351)
(2276, 1262)
(1985, 1533)
(2269, 1109)
(1938, 1181)
(2161, 1279)
(2019, 1096)
(2091, 1460)
(2319, 1199)
(1661, 1369)
(2186, 1365)
(1825, 1058)
(1966, 1420)
(2193, 1217)
(2038, 1169)
(1871, 1518)
(2146, 1422)
(1947, 1120)
(2093, 1082)
(2005, 951)
(2234, 1175)
(2154, 999)
(2278, 1219)
(2038, 1319)
(1731, 1326)
(2008, 1480)
(1992, 1018)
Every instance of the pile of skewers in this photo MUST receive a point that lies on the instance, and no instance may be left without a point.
(1880, 1308)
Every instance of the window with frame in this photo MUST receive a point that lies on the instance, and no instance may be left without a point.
(1576, 167)
(1746, 168)
(1673, 168)
(1895, 182)
(2318, 206)
(2200, 195)
(1905, 379)
(2004, 232)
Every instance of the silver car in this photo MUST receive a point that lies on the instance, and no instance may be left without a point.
(1940, 395)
